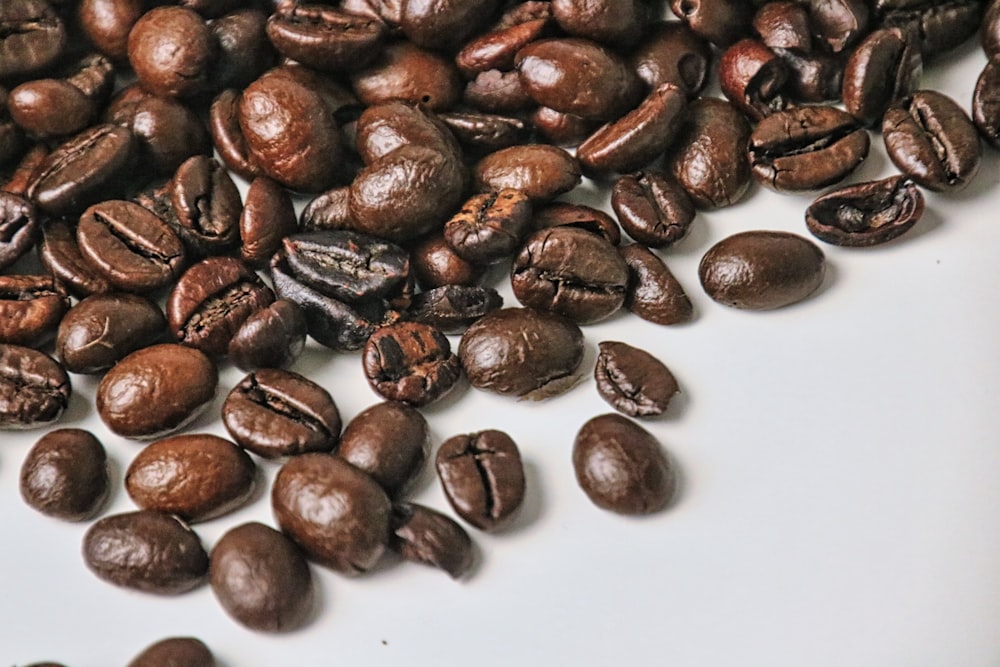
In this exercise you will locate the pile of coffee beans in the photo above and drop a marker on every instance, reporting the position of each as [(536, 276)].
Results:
[(432, 150)]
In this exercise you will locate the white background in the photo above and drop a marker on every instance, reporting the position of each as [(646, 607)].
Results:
[(840, 505)]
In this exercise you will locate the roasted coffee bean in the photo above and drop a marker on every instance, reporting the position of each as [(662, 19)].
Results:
[(227, 135), (30, 309), (444, 24), (708, 158), (572, 272), (564, 214), (542, 172), (268, 216), (497, 91), (761, 270), (327, 211), (721, 22), (484, 133), (58, 107), (839, 24), (633, 381), (87, 168), (883, 68), (32, 37), (156, 390), (812, 77), (866, 214), (940, 26), (65, 475), (107, 23), (196, 477), (752, 77), (453, 308), (146, 550), (261, 578), (562, 129), (383, 128), (607, 21), (807, 148), (175, 652), (489, 226), (347, 265), (102, 329), (60, 255), (784, 24), (931, 139), (989, 30), (986, 103), (389, 11), (274, 413), (410, 362), (206, 206), (212, 300), (622, 467), (633, 141), (672, 53), (404, 71), (389, 441), (652, 208), (245, 52), (172, 50), (336, 513), (578, 76), (497, 48), (483, 477), (325, 38), (653, 293), (436, 264), (211, 8), (34, 388), (522, 352), (273, 337), (423, 535)]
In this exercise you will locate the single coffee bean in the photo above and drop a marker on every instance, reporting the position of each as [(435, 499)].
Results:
[(444, 24), (423, 535), (497, 48), (390, 442), (564, 214), (175, 652), (405, 71), (19, 227), (261, 578), (245, 52), (481, 133), (329, 210), (939, 26), (106, 24), (572, 272), (866, 214), (205, 205), (325, 38), (721, 22), (806, 148), (156, 390), (146, 550), (540, 171), (483, 477), (489, 226), (761, 270), (652, 208), (382, 128), (32, 37), (622, 467), (171, 50), (986, 103), (196, 477), (633, 381), (812, 77), (562, 129), (227, 135), (453, 308), (496, 91), (607, 21), (410, 362), (30, 309), (275, 413), (672, 53), (436, 264), (102, 329), (336, 513), (784, 24), (60, 254), (268, 216), (522, 352), (273, 337), (653, 293), (34, 388), (62, 106), (753, 77), (883, 68), (839, 24), (931, 139), (65, 475)]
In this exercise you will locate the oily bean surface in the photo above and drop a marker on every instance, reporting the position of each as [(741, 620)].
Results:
[(65, 475), (390, 441), (34, 389), (410, 362), (102, 329), (866, 214)]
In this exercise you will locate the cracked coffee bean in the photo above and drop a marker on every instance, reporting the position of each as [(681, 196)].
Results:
[(205, 205), (34, 388), (633, 381), (31, 308), (102, 329), (490, 226), (410, 362), (423, 535), (866, 214), (652, 208)]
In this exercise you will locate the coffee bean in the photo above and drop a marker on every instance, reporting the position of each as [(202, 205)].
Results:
[(390, 442), (939, 26), (883, 68), (32, 37), (245, 52), (562, 129), (176, 652), (496, 91), (423, 535), (866, 214), (564, 214), (721, 22), (522, 352), (633, 381), (497, 48), (453, 308), (652, 208), (329, 210), (986, 103), (60, 254), (55, 107), (325, 38), (542, 172), (227, 135), (784, 24), (196, 477), (274, 413), (336, 513), (34, 388), (752, 77), (156, 390), (653, 293), (147, 551), (489, 226), (607, 21), (812, 77), (410, 362), (65, 475), (205, 205), (30, 309), (261, 578), (404, 71), (839, 24), (761, 270), (622, 467), (172, 50), (672, 53), (102, 329), (436, 264), (989, 31), (483, 477), (481, 133), (272, 337), (444, 24), (106, 24), (268, 216)]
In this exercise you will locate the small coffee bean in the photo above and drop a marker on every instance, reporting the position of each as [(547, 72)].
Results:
[(19, 227), (653, 293), (156, 390), (404, 71), (205, 205), (752, 77), (175, 652), (30, 309), (171, 50), (671, 52), (32, 37), (436, 264), (196, 477), (883, 68), (65, 475), (34, 388), (261, 578), (423, 535), (652, 208), (481, 133), (273, 337), (390, 442), (489, 226), (336, 513), (102, 329), (146, 550), (622, 467), (410, 362), (564, 214), (497, 48), (453, 308), (866, 214), (633, 381), (483, 477), (761, 270), (329, 210), (268, 216), (274, 413), (522, 352), (325, 38)]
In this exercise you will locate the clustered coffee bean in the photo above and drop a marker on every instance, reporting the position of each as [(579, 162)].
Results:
[(433, 141)]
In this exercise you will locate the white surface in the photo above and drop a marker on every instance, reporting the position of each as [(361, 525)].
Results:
[(841, 471)]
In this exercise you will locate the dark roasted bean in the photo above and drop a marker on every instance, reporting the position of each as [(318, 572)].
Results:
[(564, 214), (172, 50), (653, 293), (483, 477), (390, 442), (34, 388), (542, 172), (206, 206), (485, 133), (672, 53), (721, 22), (436, 264), (176, 652), (273, 337), (489, 226), (453, 308), (633, 381), (866, 214), (404, 71), (268, 217), (19, 228), (30, 309), (652, 208), (102, 329), (423, 535), (986, 103), (32, 37), (65, 475), (325, 38), (410, 362), (883, 68)]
